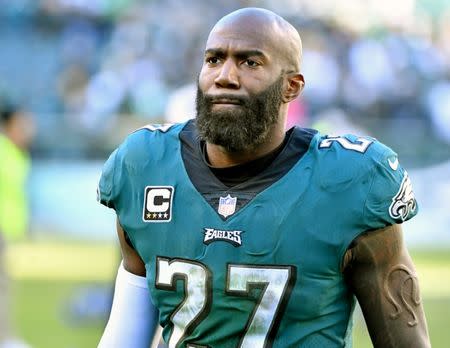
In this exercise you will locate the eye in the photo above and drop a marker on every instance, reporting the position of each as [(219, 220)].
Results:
[(212, 60), (251, 63)]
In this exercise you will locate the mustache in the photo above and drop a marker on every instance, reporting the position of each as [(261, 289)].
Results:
[(229, 98)]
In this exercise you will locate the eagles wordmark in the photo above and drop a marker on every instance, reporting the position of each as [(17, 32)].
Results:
[(232, 237)]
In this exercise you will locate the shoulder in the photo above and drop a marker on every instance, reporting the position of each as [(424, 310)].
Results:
[(151, 134), (347, 158), (367, 167), (148, 142), (367, 179), (139, 149), (351, 147)]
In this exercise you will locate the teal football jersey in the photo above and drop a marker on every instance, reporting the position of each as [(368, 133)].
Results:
[(257, 264)]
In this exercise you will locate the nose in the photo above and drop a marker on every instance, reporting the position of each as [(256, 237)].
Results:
[(228, 76)]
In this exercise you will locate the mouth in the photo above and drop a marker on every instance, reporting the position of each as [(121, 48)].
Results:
[(226, 101)]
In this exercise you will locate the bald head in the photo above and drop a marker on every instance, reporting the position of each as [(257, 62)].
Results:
[(276, 33), (250, 74)]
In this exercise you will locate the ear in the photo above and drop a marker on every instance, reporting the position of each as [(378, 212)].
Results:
[(295, 83)]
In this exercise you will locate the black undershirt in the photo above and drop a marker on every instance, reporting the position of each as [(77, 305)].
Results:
[(234, 175)]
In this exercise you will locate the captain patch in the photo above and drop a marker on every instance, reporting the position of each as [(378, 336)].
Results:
[(158, 204)]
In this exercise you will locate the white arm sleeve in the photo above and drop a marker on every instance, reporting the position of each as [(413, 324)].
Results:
[(133, 318)]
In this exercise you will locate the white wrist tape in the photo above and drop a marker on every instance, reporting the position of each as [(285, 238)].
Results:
[(133, 318)]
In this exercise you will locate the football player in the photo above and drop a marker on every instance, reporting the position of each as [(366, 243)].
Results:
[(237, 233)]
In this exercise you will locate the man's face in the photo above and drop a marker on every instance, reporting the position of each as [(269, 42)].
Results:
[(245, 124), (239, 88)]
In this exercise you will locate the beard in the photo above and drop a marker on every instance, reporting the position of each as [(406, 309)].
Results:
[(245, 126)]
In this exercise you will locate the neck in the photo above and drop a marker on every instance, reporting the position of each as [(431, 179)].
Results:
[(219, 157)]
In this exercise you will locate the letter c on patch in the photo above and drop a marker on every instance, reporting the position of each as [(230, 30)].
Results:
[(158, 200)]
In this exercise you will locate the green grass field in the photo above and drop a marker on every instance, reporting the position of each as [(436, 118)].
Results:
[(46, 275)]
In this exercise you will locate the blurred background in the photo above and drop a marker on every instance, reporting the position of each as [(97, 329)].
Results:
[(91, 71)]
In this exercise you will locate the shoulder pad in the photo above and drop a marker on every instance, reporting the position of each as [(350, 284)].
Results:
[(343, 160)]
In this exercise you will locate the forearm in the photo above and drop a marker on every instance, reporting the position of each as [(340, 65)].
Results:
[(133, 318), (383, 278)]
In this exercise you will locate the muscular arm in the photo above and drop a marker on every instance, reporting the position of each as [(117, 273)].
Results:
[(382, 276)]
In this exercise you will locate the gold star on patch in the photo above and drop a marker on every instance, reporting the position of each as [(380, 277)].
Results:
[(149, 216)]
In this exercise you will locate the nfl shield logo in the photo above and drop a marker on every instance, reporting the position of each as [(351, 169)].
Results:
[(227, 206)]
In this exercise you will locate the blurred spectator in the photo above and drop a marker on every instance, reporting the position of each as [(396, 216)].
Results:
[(16, 133), (438, 102), (181, 104), (335, 121), (322, 74)]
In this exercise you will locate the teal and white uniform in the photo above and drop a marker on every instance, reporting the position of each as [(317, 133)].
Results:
[(257, 264)]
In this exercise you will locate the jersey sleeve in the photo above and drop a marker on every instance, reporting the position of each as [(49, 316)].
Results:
[(107, 191), (390, 199), (130, 157)]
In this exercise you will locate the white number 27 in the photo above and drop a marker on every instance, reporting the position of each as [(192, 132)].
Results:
[(276, 283)]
